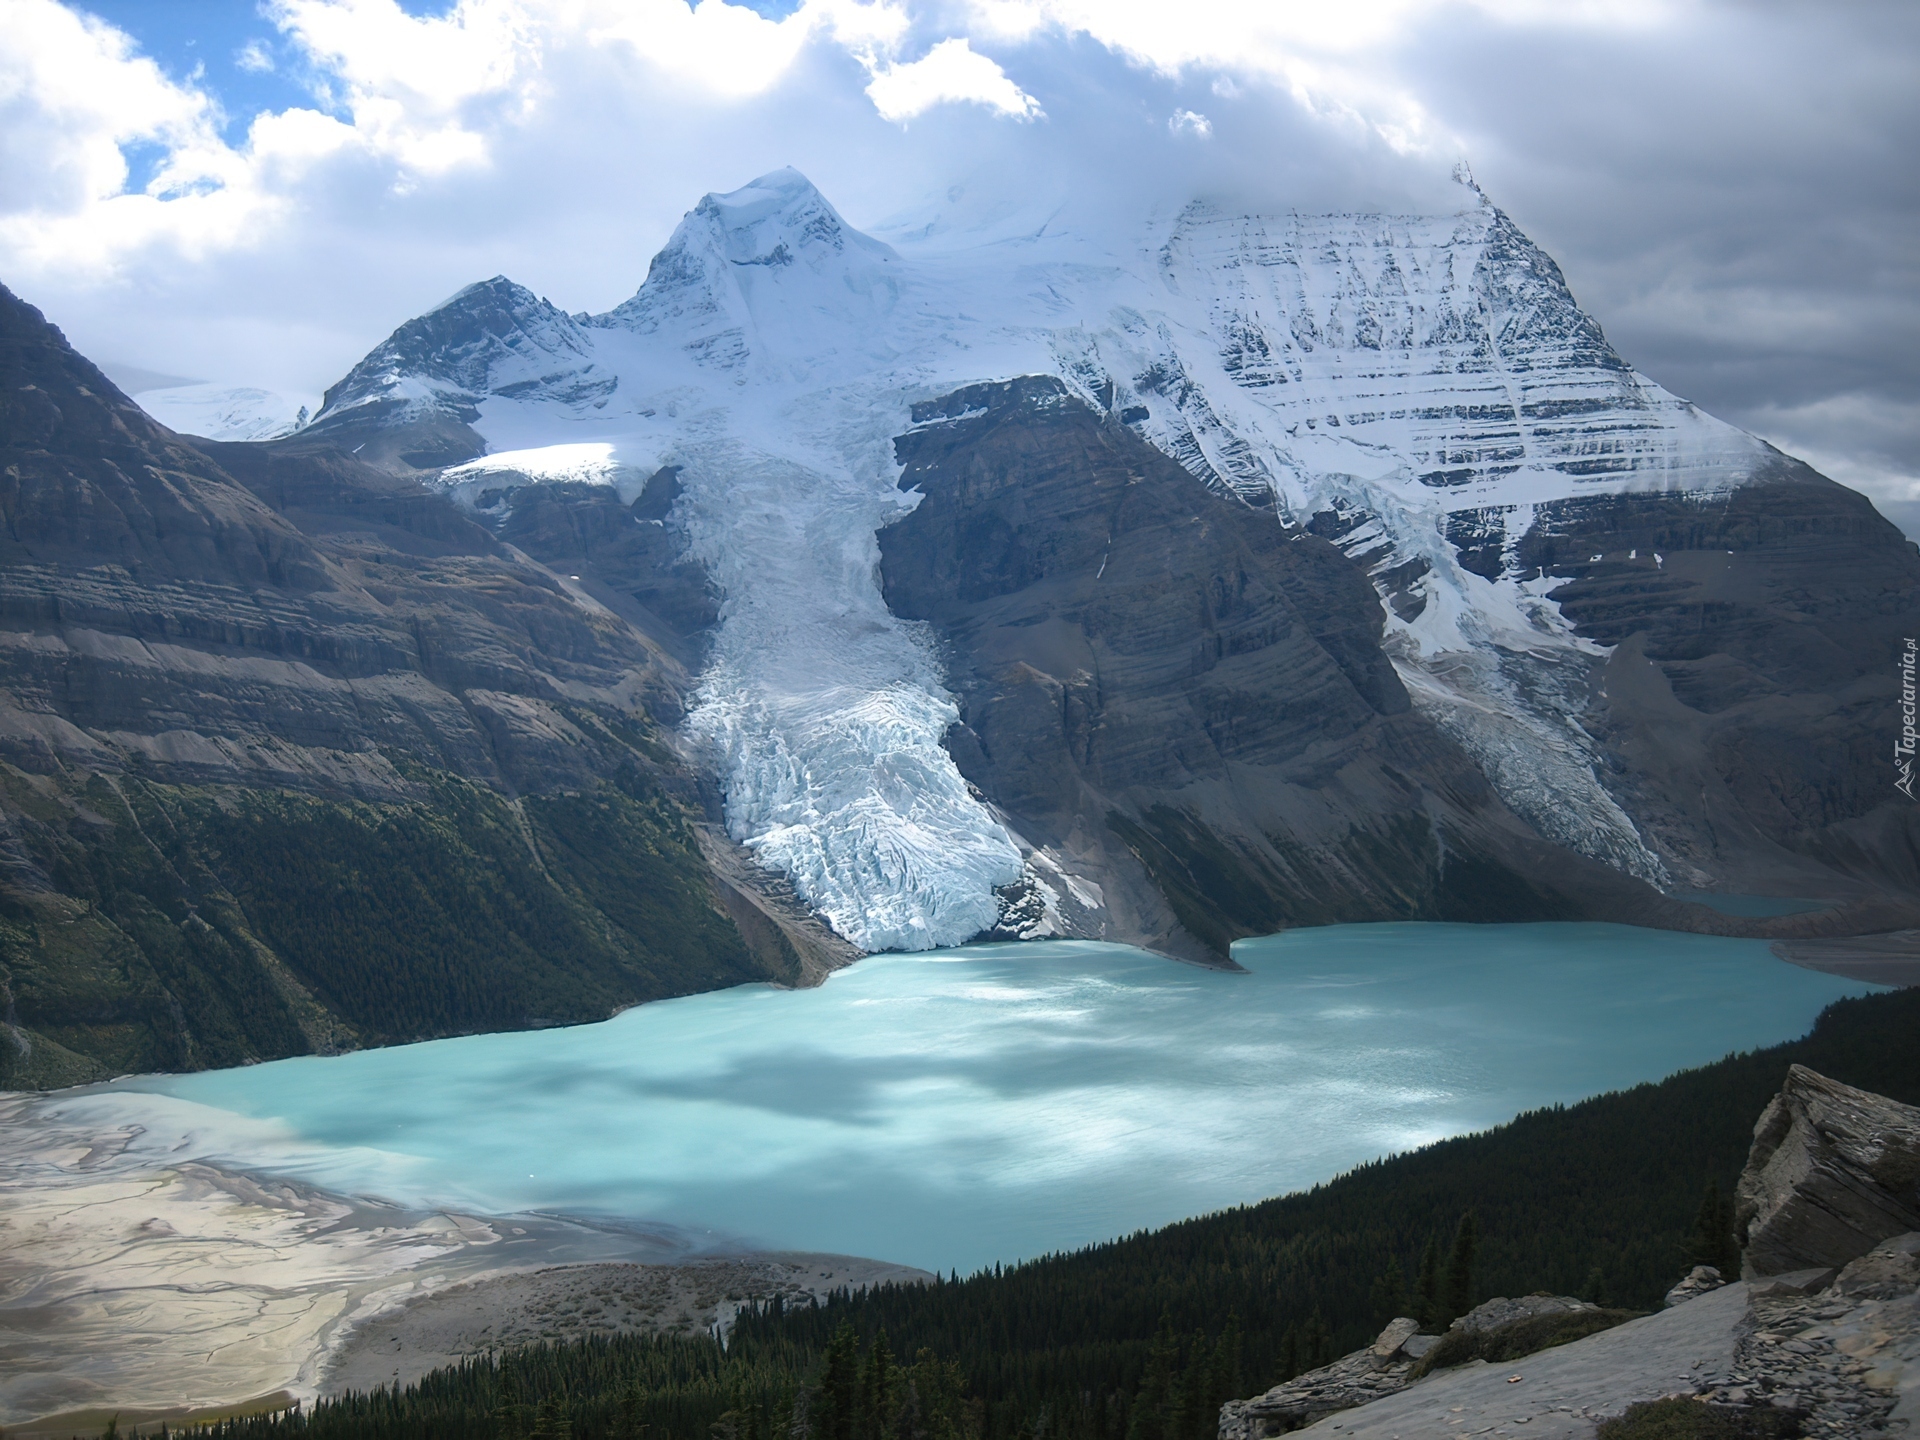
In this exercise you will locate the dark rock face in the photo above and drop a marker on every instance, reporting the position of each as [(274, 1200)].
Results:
[(495, 337), (1182, 699), (295, 756), (87, 478), (1750, 707), (634, 553), (1834, 1171)]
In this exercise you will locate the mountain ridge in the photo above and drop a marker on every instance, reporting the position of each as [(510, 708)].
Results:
[(846, 655), (1421, 391)]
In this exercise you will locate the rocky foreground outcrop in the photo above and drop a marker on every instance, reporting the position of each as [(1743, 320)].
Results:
[(1833, 1172), (1386, 1367), (1825, 1327)]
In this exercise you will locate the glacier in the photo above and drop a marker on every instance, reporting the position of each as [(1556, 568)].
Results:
[(1414, 388)]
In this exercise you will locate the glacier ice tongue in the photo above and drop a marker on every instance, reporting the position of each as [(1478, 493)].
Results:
[(591, 462), (825, 713)]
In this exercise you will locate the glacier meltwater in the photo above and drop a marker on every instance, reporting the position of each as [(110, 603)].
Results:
[(959, 1107)]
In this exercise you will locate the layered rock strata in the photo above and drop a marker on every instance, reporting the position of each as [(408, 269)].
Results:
[(294, 756), (1663, 645), (1833, 1172), (1846, 1357)]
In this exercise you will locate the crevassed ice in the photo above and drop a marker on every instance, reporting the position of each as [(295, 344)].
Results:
[(825, 712)]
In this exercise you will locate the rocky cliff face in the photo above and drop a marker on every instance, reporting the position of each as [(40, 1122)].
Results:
[(1753, 642), (294, 755), (1183, 703), (1833, 1172)]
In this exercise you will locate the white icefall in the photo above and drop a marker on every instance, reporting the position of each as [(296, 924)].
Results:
[(1403, 370), (824, 711)]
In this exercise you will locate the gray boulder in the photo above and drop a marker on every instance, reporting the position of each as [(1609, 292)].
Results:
[(1382, 1369), (1492, 1314), (1791, 1284), (1387, 1347), (1832, 1173), (1886, 1272), (1699, 1281)]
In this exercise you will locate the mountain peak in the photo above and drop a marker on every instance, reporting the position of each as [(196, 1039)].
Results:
[(774, 221), (768, 274), (491, 333)]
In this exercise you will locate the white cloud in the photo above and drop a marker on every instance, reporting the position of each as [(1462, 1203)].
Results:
[(951, 71), (412, 84), (74, 99), (731, 50), (254, 58), (1860, 440), (1737, 229)]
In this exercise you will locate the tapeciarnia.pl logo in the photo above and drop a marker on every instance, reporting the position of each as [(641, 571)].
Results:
[(1904, 747)]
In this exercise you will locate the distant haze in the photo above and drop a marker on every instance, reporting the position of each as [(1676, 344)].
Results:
[(256, 194)]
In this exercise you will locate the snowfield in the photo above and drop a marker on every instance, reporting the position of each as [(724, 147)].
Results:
[(223, 412)]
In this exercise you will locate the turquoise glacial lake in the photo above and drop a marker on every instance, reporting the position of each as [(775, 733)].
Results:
[(955, 1108)]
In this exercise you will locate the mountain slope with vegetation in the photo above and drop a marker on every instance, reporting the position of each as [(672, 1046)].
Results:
[(294, 757)]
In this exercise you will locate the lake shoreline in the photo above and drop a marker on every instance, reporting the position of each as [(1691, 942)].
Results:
[(184, 1290), (209, 1240)]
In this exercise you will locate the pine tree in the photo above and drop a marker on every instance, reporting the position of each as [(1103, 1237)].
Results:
[(1216, 1379), (1712, 1242), (835, 1397), (1426, 1294), (1188, 1408), (509, 1416), (552, 1420), (1223, 1377), (1457, 1299), (1317, 1345), (627, 1424), (1390, 1292), (1290, 1353), (1594, 1291), (876, 1400), (1155, 1396)]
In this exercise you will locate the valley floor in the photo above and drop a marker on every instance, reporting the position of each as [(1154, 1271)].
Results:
[(1889, 959), (498, 1312), (152, 1291)]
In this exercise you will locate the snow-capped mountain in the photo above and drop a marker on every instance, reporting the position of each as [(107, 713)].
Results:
[(1423, 391)]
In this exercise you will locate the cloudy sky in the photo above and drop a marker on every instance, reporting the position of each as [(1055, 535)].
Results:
[(257, 191)]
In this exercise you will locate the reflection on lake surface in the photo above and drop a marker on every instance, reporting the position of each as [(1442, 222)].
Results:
[(953, 1108)]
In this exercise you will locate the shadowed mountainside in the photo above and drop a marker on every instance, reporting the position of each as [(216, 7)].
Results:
[(1181, 697), (294, 756)]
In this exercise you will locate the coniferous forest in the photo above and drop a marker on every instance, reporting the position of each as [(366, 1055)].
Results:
[(1142, 1338)]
